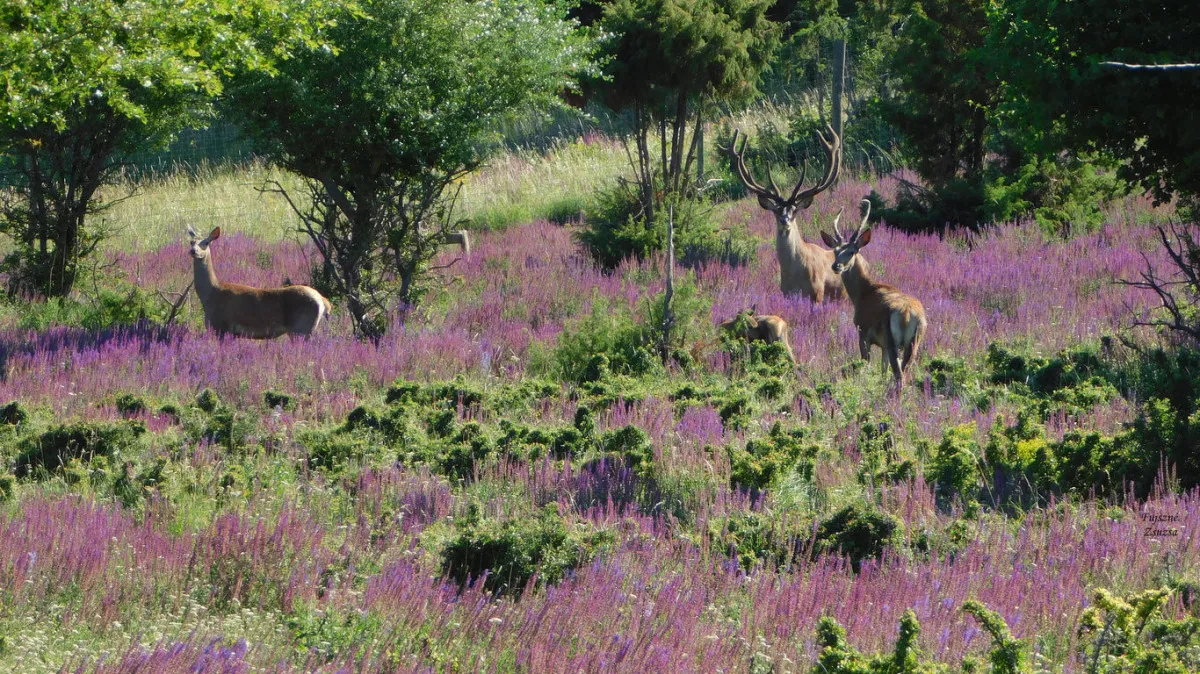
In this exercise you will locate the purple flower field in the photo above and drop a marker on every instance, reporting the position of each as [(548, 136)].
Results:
[(259, 562)]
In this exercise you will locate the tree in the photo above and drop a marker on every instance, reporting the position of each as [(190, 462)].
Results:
[(1060, 90), (87, 79), (383, 129), (668, 59), (946, 93)]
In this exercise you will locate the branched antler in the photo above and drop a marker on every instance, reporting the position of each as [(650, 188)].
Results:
[(832, 146)]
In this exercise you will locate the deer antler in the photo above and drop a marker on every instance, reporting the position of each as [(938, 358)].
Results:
[(837, 230), (739, 164), (833, 148), (866, 216)]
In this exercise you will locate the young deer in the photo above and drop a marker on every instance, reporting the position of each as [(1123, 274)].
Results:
[(884, 316), (260, 313), (804, 268), (761, 328)]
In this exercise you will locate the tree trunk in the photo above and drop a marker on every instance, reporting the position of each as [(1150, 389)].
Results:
[(668, 318)]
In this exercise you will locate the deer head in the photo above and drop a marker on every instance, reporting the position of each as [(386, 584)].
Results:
[(770, 198), (200, 246), (844, 249)]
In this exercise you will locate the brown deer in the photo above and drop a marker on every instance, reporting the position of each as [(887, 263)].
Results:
[(460, 237), (259, 313), (884, 316), (804, 268), (760, 328)]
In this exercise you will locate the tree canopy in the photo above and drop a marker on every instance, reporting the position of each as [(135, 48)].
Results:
[(409, 103)]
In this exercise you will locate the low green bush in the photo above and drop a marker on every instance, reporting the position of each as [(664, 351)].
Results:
[(512, 552), (858, 532), (53, 449)]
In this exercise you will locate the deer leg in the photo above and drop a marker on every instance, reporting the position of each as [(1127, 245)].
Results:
[(864, 346), (893, 359)]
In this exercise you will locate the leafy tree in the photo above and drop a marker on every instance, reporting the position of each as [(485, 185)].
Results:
[(382, 129), (1051, 57), (943, 104), (87, 79), (668, 61)]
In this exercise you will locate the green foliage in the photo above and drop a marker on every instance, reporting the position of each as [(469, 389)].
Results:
[(53, 449), (407, 105), (273, 399), (837, 656), (945, 96), (1065, 194), (858, 532), (668, 61), (955, 465), (605, 341), (631, 443), (764, 461), (8, 487), (1008, 654), (512, 552), (87, 80), (1049, 55), (208, 400), (618, 228), (128, 403), (13, 414), (325, 634)]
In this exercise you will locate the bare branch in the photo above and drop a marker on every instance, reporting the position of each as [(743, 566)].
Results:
[(1158, 66)]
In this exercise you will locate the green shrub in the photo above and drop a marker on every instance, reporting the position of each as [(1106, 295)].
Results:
[(53, 449), (208, 400), (616, 230), (130, 404), (13, 414), (1008, 654), (606, 341), (631, 443), (513, 551), (955, 465), (765, 461), (1065, 194), (273, 399), (751, 538), (858, 532), (334, 451), (403, 391)]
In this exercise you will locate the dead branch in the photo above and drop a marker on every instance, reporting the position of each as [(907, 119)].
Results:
[(176, 304)]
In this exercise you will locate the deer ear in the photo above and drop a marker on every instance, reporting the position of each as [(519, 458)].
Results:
[(216, 234), (864, 238), (192, 233), (829, 240), (766, 202)]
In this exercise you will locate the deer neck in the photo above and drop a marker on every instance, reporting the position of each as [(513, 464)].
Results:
[(857, 278), (205, 278), (788, 241)]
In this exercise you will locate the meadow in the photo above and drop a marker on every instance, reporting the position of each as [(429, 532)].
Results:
[(465, 495)]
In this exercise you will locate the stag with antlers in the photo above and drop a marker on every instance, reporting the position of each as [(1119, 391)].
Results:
[(260, 313), (883, 315), (804, 268)]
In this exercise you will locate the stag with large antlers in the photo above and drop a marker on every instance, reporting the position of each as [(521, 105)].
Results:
[(260, 313), (883, 315), (804, 268)]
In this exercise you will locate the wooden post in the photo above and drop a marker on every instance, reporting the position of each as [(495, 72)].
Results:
[(839, 84), (668, 319)]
